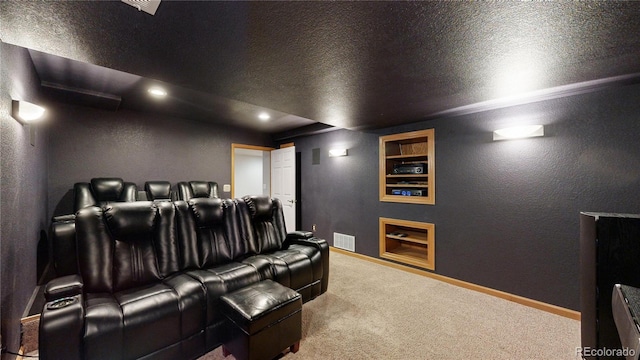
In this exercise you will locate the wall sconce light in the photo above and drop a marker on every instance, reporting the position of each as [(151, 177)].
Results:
[(26, 112), (337, 152), (157, 92), (518, 132)]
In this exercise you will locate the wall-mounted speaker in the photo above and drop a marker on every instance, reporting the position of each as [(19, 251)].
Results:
[(315, 156)]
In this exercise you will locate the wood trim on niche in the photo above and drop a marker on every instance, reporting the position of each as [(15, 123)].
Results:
[(429, 134)]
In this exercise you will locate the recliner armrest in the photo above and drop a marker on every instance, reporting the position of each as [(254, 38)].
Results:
[(62, 320), (63, 241), (62, 329), (321, 245), (129, 192), (63, 287), (61, 218), (300, 235), (304, 238)]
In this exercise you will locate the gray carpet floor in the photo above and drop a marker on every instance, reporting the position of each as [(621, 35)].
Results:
[(372, 311)]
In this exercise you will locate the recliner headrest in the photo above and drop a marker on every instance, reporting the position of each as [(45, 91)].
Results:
[(157, 190), (200, 189), (130, 218), (206, 211), (259, 206), (107, 189)]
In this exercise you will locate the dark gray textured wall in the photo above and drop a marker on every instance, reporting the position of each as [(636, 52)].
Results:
[(506, 213), (23, 196), (87, 143)]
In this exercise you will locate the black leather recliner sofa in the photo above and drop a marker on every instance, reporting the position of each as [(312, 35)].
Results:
[(151, 275)]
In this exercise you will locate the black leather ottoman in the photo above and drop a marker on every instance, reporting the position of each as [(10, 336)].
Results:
[(264, 319)]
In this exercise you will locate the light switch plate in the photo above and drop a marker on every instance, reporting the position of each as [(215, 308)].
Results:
[(226, 188)]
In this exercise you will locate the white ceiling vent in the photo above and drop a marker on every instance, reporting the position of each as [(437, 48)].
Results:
[(148, 6)]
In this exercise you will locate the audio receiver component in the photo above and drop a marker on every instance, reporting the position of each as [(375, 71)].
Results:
[(416, 168), (409, 192)]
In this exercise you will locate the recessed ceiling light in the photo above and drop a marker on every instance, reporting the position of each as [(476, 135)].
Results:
[(264, 116), (157, 92)]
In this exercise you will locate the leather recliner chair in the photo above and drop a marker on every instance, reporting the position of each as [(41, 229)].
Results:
[(124, 252), (97, 192), (296, 259), (188, 190), (210, 239), (102, 191), (158, 191)]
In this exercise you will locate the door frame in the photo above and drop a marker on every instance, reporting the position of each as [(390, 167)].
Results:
[(235, 146)]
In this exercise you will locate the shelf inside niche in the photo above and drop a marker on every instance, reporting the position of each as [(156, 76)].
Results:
[(408, 242), (417, 155), (407, 149)]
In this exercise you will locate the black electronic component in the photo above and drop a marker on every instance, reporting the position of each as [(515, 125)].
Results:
[(409, 192), (414, 168)]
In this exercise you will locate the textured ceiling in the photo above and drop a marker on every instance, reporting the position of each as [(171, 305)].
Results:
[(80, 83), (348, 64)]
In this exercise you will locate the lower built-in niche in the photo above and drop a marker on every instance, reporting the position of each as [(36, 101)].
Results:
[(408, 242)]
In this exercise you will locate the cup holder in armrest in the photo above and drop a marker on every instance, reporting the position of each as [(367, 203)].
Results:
[(61, 303)]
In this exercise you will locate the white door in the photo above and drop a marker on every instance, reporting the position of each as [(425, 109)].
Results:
[(283, 183)]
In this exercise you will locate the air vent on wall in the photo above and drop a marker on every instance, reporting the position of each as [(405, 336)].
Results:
[(148, 6), (345, 242)]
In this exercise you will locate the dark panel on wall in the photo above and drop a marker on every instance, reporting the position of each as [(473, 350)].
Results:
[(506, 213), (315, 156), (137, 147), (24, 192)]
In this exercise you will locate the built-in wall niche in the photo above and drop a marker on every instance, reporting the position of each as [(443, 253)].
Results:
[(407, 167), (408, 242)]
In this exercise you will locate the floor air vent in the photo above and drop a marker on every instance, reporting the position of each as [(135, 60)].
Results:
[(346, 242)]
